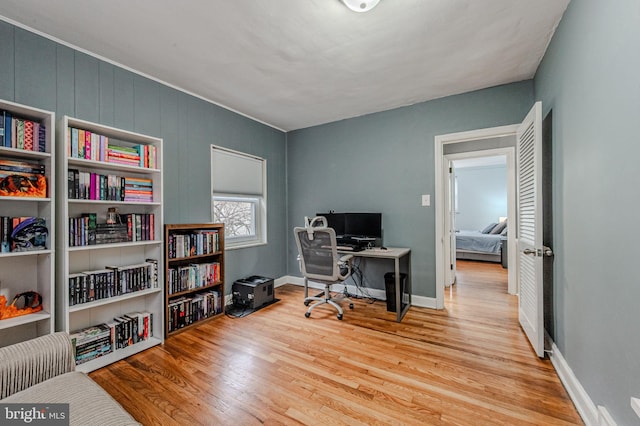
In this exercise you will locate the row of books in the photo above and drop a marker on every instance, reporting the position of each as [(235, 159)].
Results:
[(93, 146), (95, 186), (138, 189), (99, 340), (21, 133), (192, 276), (23, 233), (112, 281), (197, 243), (85, 231), (26, 168), (188, 310)]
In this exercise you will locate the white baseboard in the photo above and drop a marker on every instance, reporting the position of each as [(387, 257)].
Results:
[(288, 279), (423, 302), (604, 418), (591, 415), (419, 301)]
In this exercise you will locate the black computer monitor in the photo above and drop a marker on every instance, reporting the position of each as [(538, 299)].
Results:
[(335, 221), (368, 225)]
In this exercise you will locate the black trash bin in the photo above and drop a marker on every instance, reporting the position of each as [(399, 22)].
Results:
[(390, 285)]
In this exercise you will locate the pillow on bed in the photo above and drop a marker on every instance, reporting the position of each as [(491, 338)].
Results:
[(488, 228), (499, 228), (504, 232)]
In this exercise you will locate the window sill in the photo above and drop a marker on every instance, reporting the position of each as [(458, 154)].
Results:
[(248, 244)]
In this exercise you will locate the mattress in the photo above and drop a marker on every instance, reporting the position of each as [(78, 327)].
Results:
[(478, 242)]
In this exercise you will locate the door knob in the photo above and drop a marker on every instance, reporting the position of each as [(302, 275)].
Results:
[(547, 251), (529, 251)]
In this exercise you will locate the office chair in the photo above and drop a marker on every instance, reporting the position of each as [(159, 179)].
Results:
[(319, 261)]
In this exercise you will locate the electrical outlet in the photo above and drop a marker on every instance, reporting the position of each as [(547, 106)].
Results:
[(426, 200)]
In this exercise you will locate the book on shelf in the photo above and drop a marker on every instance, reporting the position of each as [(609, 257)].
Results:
[(7, 129), (197, 243), (192, 276), (95, 186), (22, 133), (89, 286), (132, 278), (184, 311), (89, 145), (122, 331), (132, 227), (91, 342)]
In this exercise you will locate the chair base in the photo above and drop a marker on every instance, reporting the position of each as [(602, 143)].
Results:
[(327, 299)]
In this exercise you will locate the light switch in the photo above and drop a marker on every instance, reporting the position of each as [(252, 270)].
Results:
[(426, 199)]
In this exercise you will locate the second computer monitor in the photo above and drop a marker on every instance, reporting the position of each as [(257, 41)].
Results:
[(368, 225)]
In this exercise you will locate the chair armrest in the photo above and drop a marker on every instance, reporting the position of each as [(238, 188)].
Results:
[(346, 258), (28, 363)]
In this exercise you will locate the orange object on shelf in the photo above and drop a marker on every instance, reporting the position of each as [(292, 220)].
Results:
[(12, 311), (20, 186)]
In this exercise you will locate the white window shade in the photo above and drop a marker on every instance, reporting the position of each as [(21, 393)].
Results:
[(236, 173)]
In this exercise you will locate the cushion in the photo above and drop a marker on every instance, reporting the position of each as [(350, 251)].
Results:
[(89, 404), (499, 228), (504, 232), (488, 228)]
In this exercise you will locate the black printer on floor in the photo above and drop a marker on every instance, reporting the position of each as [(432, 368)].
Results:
[(252, 292)]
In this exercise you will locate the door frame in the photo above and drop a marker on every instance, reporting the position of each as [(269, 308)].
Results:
[(442, 198)]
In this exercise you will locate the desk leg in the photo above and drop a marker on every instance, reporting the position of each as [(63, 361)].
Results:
[(398, 290), (407, 288)]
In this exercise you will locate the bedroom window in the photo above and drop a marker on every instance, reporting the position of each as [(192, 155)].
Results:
[(238, 196)]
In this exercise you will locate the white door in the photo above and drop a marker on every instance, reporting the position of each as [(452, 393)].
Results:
[(452, 222), (529, 242)]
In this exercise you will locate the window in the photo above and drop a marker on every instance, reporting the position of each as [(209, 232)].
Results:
[(238, 200)]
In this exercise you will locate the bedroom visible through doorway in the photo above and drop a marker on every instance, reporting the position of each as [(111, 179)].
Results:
[(479, 244), (492, 142)]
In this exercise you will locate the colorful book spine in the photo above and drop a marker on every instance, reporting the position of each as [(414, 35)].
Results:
[(7, 129), (19, 134), (28, 135)]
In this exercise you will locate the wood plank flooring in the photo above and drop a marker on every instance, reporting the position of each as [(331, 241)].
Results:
[(469, 364)]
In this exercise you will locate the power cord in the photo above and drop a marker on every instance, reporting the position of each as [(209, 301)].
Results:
[(358, 279)]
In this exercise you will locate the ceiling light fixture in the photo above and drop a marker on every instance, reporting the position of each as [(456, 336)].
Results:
[(361, 5)]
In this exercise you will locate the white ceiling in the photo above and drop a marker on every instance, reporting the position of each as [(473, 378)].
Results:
[(298, 63)]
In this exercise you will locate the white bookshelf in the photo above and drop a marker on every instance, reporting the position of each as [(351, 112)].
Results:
[(74, 259), (30, 270)]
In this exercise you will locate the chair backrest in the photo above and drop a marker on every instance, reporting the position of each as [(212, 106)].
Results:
[(317, 252)]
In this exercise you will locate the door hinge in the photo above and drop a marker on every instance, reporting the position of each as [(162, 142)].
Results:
[(450, 169), (451, 265)]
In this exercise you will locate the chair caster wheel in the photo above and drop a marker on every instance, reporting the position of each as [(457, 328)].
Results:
[(340, 316), (307, 314), (350, 305), (306, 302)]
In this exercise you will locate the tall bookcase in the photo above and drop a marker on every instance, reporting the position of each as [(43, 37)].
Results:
[(194, 274), (110, 218), (23, 269)]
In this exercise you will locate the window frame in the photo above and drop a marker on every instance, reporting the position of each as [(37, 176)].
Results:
[(258, 200)]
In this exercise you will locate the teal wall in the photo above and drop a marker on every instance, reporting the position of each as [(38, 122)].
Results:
[(383, 162), (41, 73), (482, 196), (589, 78)]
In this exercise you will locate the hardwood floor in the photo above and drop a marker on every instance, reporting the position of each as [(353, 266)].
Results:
[(469, 364)]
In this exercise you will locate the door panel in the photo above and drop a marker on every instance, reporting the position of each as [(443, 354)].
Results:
[(529, 242)]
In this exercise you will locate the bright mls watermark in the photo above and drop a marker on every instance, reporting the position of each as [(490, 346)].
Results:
[(34, 414)]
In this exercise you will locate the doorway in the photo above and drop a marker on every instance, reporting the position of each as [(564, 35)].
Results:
[(478, 143)]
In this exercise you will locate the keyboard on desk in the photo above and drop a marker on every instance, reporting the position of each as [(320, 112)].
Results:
[(349, 247)]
